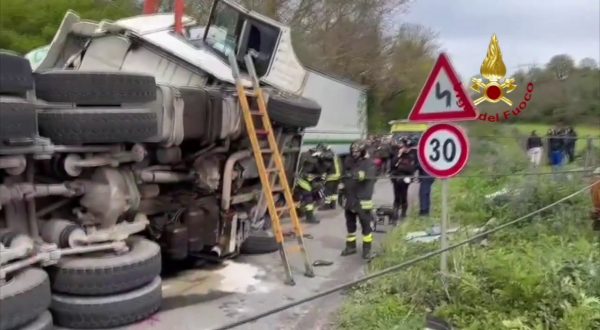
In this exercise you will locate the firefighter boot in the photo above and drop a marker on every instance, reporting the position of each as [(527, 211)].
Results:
[(311, 218), (333, 203), (328, 205), (366, 251), (350, 248)]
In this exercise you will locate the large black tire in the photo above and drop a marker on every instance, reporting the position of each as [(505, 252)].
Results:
[(42, 322), (259, 242), (107, 311), (23, 297), (94, 88), (17, 119), (98, 125), (15, 74), (293, 111), (107, 273)]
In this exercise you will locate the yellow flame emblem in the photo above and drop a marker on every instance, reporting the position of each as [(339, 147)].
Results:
[(493, 70)]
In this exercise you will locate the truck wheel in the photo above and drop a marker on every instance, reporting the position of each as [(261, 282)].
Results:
[(94, 88), (17, 119), (107, 311), (23, 297), (259, 242), (98, 125), (293, 111), (42, 322), (16, 74), (107, 273)]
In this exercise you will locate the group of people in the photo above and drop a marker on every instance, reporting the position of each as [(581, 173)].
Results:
[(561, 146), (321, 173)]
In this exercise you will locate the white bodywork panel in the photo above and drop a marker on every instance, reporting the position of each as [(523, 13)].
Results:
[(204, 59), (144, 24), (285, 73), (343, 111), (165, 71)]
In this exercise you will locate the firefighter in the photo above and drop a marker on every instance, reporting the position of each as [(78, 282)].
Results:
[(306, 188), (359, 182), (332, 172)]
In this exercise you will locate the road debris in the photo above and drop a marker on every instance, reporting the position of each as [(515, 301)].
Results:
[(321, 263)]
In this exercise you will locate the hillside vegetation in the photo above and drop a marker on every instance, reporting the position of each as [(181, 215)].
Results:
[(361, 40), (569, 99)]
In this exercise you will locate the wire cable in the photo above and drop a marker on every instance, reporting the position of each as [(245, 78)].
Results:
[(514, 137), (399, 266), (484, 175)]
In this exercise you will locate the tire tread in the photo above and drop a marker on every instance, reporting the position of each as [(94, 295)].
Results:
[(81, 276), (27, 297)]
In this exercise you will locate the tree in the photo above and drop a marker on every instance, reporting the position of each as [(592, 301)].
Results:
[(588, 63), (25, 25), (561, 65), (361, 40), (519, 76)]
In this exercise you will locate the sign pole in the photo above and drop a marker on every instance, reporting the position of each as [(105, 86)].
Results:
[(444, 228), (443, 149)]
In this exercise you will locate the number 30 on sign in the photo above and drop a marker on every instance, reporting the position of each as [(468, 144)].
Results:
[(443, 151)]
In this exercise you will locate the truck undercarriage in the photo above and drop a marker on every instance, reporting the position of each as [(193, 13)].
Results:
[(117, 152)]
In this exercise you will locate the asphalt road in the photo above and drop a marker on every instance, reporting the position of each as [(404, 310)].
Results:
[(213, 296)]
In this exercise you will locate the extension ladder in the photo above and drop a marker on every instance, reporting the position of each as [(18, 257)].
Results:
[(273, 179)]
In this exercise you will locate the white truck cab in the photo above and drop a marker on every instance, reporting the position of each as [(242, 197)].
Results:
[(231, 28)]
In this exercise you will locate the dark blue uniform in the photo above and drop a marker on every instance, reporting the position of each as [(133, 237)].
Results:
[(359, 183)]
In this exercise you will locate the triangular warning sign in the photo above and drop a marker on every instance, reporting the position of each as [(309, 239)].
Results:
[(443, 98)]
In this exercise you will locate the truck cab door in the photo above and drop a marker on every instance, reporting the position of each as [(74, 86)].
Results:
[(260, 38)]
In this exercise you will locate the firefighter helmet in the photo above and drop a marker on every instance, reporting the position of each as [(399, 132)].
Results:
[(358, 149)]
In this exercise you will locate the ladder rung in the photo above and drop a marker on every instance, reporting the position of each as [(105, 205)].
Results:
[(262, 132), (282, 209), (256, 113), (294, 249), (272, 170), (284, 151), (277, 189)]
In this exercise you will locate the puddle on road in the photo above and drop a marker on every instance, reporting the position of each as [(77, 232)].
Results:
[(232, 277)]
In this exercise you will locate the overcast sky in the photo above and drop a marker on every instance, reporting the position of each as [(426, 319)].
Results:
[(529, 31)]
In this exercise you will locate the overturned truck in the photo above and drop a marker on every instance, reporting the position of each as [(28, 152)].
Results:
[(125, 145)]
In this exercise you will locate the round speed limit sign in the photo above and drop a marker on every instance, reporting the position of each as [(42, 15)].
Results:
[(443, 151)]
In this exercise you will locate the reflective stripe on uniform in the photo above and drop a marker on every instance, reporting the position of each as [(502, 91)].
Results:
[(333, 197), (338, 172), (310, 177), (368, 238), (351, 238), (367, 205), (309, 207), (304, 184), (361, 175)]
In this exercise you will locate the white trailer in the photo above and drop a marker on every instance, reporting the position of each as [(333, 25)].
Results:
[(343, 111)]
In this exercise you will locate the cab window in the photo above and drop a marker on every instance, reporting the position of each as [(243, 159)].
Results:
[(224, 31)]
